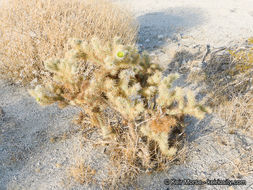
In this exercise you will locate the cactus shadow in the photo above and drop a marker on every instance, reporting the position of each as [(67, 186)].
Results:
[(198, 128), (157, 27)]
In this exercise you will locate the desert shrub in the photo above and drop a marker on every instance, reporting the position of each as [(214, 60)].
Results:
[(228, 85), (229, 72), (238, 113), (135, 107), (243, 58), (32, 30)]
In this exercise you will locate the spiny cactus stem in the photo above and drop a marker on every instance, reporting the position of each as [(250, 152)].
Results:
[(113, 109)]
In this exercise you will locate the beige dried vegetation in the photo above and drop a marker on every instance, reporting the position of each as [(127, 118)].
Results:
[(229, 76), (228, 73), (33, 30), (82, 173), (238, 113)]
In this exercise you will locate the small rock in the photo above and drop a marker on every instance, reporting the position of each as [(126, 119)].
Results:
[(37, 170), (177, 37), (147, 40), (184, 62), (224, 67), (32, 34), (233, 10), (169, 40), (57, 165), (160, 37), (1, 113), (152, 54)]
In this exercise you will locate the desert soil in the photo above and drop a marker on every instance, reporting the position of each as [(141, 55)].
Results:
[(30, 159)]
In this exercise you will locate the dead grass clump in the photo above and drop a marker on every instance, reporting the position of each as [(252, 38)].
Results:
[(229, 72), (238, 113), (33, 30), (82, 173), (229, 87), (243, 166), (131, 154), (243, 57)]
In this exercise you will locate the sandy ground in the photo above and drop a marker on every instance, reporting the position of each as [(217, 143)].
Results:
[(30, 160), (199, 21)]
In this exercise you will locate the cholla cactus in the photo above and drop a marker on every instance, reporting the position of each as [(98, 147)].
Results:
[(97, 76)]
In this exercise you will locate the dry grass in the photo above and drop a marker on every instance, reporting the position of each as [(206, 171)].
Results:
[(82, 173), (229, 89), (238, 113), (34, 30), (130, 154), (229, 86), (227, 77), (228, 74)]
